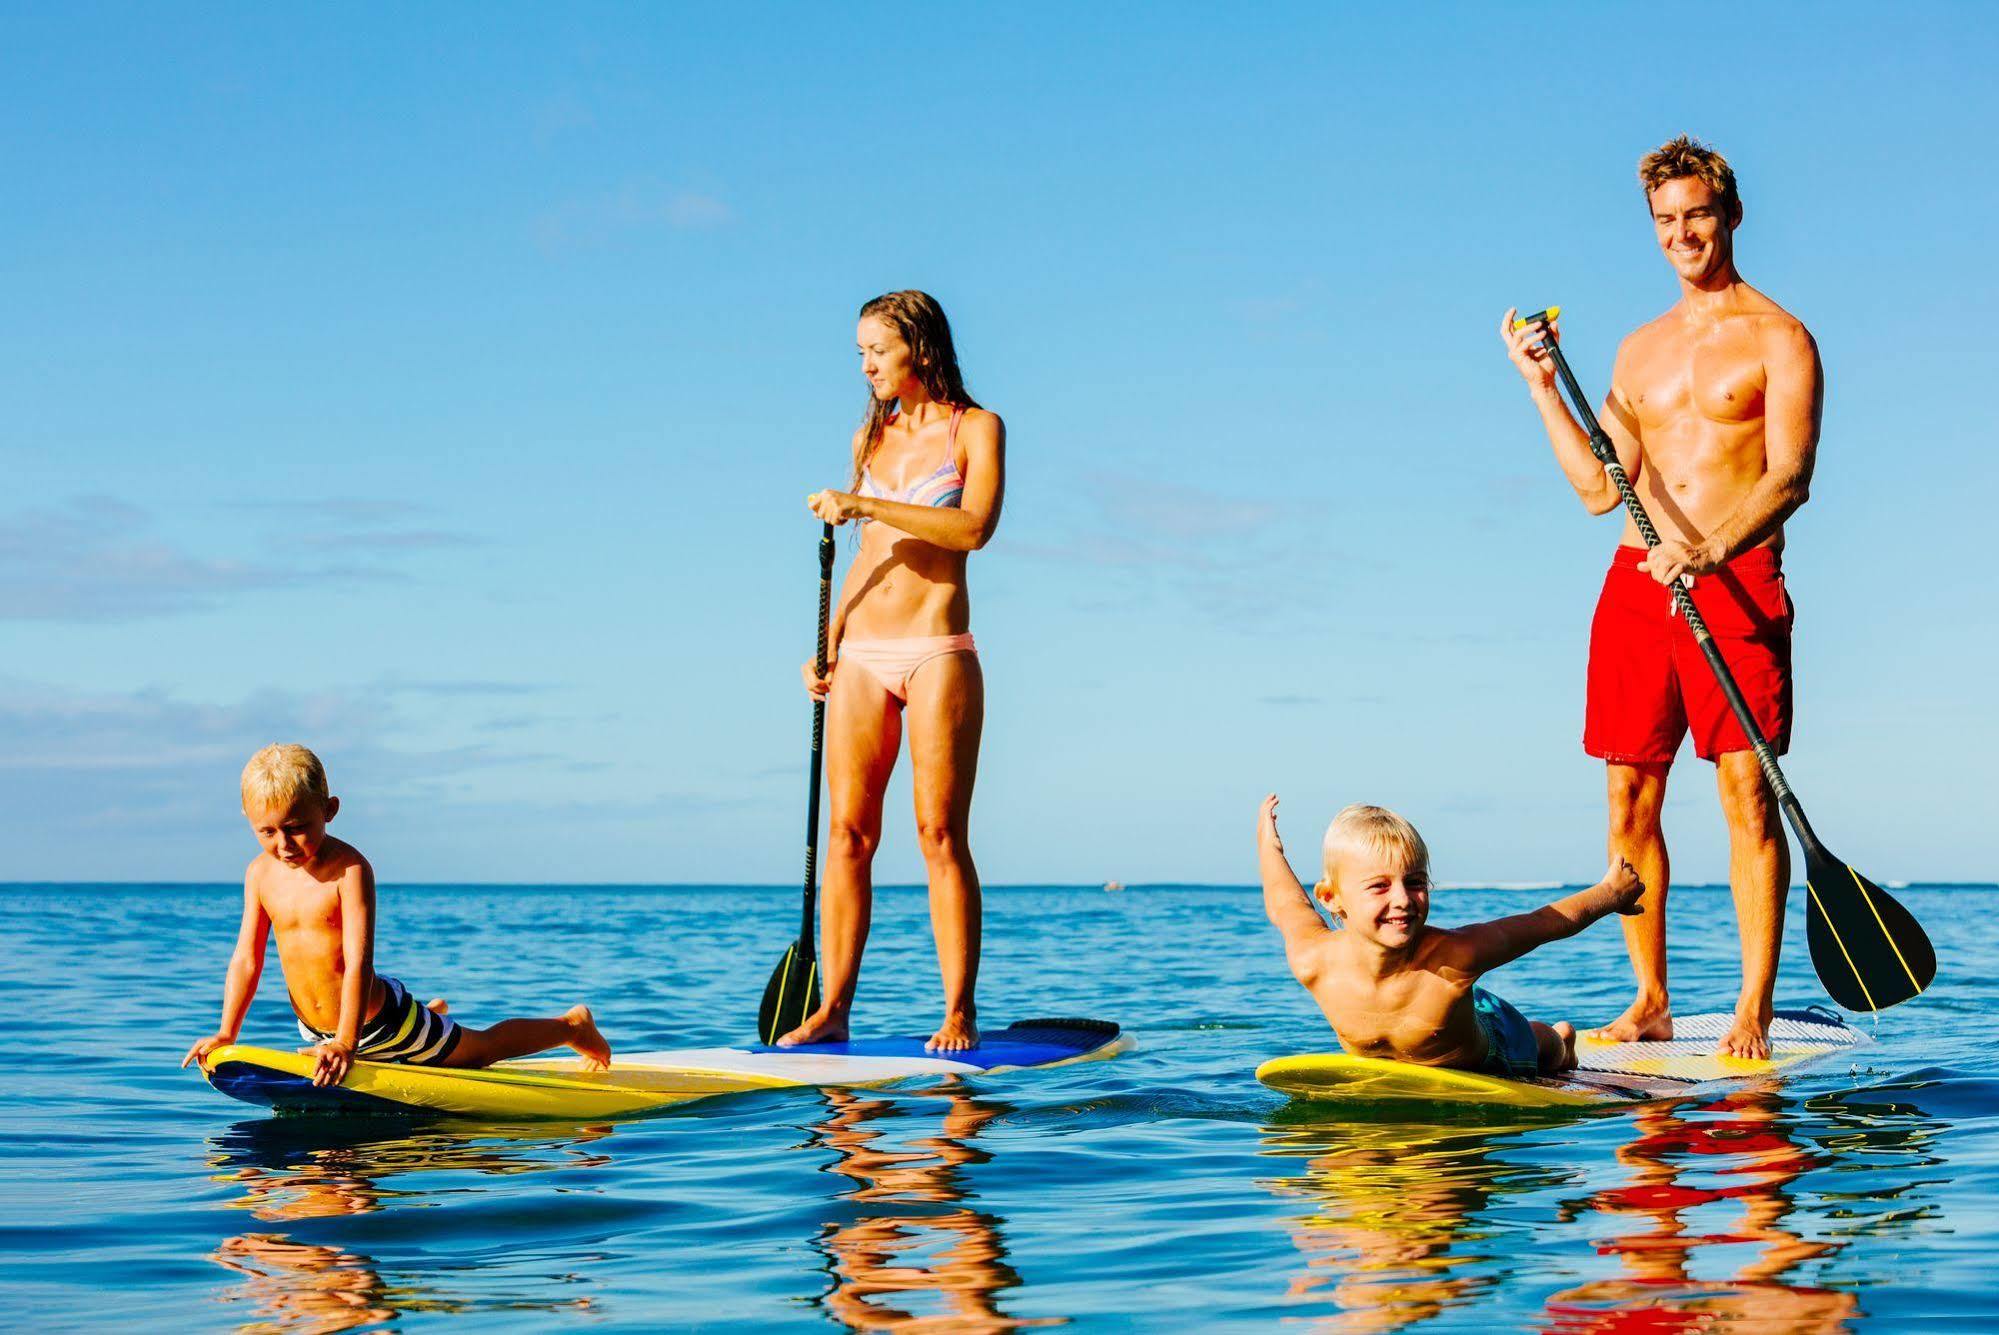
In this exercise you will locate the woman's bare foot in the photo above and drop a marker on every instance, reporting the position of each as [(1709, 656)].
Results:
[(1748, 1037), (958, 1032), (591, 1046), (1567, 1033), (438, 1004), (822, 1026), (1647, 1020)]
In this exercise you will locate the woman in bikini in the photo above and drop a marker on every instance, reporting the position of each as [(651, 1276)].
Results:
[(928, 473)]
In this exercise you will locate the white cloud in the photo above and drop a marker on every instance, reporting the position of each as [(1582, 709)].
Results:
[(143, 785), (632, 207), (98, 559)]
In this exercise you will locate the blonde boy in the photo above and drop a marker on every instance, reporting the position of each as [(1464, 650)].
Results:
[(1392, 985), (318, 895)]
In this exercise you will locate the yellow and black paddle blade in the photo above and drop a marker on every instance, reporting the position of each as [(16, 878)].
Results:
[(790, 996), (1869, 951)]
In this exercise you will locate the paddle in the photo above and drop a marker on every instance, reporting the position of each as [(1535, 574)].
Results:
[(1869, 951), (793, 990)]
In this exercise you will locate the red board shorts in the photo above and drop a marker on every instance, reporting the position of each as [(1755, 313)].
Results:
[(1649, 683)]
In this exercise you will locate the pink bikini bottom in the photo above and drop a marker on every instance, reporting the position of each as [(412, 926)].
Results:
[(892, 661)]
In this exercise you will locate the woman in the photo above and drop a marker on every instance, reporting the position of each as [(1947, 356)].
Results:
[(928, 473)]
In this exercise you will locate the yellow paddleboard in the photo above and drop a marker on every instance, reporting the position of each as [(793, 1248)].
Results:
[(1606, 1073), (642, 1082)]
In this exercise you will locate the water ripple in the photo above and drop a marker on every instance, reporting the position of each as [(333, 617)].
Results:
[(1167, 1189)]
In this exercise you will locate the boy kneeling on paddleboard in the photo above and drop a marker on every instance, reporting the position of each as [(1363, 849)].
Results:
[(318, 894), (1395, 987)]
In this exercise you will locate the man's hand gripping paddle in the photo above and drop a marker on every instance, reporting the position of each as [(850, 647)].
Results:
[(1869, 951), (793, 990)]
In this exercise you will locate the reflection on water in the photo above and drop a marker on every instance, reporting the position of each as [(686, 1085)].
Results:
[(903, 1246), (299, 1170), (1703, 1212), (907, 1252), (1392, 1237), (315, 1167), (1127, 1193), (1710, 1182), (300, 1286)]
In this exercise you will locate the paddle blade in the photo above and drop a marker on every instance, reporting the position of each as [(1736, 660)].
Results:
[(790, 996), (1869, 951)]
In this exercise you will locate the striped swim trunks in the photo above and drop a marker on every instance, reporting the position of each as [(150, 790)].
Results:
[(402, 1031)]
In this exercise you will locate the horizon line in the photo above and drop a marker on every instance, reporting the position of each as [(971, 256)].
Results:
[(1106, 887)]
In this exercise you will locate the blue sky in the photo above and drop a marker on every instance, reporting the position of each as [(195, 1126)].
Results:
[(440, 388)]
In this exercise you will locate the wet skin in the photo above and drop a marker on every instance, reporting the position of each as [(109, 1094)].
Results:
[(1391, 985), (1714, 412), (907, 580)]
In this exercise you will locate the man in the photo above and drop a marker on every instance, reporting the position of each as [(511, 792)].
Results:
[(1714, 412)]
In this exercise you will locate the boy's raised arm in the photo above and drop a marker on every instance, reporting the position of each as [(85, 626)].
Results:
[(1284, 899), (246, 966), (1504, 940)]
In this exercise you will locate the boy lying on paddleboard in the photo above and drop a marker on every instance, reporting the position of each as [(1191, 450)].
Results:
[(1395, 987), (318, 894)]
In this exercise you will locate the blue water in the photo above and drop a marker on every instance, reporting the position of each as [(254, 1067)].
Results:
[(1165, 1190)]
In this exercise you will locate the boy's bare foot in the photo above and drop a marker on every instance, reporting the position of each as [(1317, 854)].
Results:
[(438, 1004), (956, 1034), (1645, 1021), (1567, 1033), (590, 1045), (822, 1026), (1748, 1037)]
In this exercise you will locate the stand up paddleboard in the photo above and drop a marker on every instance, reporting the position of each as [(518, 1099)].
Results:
[(1606, 1073), (642, 1082)]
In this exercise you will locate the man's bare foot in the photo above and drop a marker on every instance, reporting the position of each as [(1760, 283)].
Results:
[(1567, 1033), (822, 1026), (1644, 1021), (1748, 1037), (438, 1004), (590, 1045), (958, 1032)]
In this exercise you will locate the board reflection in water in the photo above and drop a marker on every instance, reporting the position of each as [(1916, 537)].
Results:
[(299, 1171), (1700, 1218)]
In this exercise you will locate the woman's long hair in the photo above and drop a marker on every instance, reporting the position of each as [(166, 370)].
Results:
[(920, 320)]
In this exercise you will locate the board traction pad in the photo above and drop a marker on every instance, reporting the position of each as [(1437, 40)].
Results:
[(1795, 1036)]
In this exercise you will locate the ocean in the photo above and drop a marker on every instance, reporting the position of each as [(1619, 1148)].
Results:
[(1164, 1190)]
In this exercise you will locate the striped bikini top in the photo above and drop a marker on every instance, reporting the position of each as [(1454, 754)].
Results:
[(944, 489)]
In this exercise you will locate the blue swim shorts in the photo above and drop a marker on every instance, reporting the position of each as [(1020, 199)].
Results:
[(1510, 1048)]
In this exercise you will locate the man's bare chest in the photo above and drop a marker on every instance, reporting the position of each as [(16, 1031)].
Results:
[(1688, 385)]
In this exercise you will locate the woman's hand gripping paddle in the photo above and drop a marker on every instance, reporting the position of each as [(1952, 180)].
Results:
[(793, 990), (1869, 951)]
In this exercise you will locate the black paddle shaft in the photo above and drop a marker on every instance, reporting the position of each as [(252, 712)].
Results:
[(806, 936), (1606, 453)]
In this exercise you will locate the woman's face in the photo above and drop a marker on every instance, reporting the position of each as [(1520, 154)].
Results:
[(885, 358)]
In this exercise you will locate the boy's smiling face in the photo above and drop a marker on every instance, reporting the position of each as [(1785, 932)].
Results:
[(1379, 895), (293, 831)]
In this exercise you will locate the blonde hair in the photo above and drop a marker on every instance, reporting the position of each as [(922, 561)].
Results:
[(279, 775), (1375, 830), (1688, 156)]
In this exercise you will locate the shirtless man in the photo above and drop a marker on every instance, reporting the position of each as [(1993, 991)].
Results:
[(1714, 410)]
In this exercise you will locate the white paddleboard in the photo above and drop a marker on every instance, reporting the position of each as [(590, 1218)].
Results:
[(641, 1082)]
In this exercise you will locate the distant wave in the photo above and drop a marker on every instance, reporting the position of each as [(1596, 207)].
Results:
[(1502, 885)]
